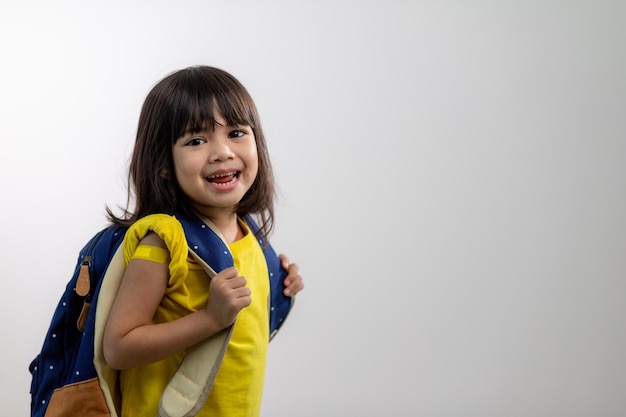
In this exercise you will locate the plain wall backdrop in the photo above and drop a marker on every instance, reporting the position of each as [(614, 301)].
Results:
[(452, 178)]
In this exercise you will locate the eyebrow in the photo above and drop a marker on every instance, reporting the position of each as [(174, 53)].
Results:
[(190, 131)]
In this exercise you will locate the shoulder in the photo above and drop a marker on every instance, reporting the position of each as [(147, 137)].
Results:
[(158, 230), (161, 224), (152, 239)]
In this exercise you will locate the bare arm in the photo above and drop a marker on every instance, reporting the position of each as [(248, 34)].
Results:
[(132, 339)]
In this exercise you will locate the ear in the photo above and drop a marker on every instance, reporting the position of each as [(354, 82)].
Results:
[(165, 174)]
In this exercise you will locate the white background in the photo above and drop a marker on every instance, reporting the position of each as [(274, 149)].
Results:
[(452, 177)]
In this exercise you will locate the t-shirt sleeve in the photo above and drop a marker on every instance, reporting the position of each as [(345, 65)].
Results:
[(171, 231)]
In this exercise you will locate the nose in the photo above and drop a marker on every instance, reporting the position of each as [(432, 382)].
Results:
[(220, 149)]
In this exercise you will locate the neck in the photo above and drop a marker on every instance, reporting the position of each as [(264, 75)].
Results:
[(228, 226), (231, 232)]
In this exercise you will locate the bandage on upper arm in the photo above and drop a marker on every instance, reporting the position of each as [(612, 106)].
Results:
[(151, 253)]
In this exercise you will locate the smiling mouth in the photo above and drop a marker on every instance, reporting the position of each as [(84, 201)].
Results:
[(224, 179)]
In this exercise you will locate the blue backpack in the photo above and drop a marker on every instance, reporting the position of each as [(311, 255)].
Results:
[(69, 376)]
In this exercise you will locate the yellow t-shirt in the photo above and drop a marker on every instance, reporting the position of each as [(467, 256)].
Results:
[(238, 386)]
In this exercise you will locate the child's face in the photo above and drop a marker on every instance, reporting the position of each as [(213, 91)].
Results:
[(215, 168)]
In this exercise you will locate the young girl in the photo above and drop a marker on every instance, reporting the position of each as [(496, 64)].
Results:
[(199, 150)]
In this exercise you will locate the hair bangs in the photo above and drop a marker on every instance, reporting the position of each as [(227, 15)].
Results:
[(203, 98), (237, 108)]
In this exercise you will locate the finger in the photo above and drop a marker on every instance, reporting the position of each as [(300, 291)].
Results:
[(294, 287), (244, 297), (292, 273), (243, 292), (228, 273), (244, 302), (238, 282), (284, 260)]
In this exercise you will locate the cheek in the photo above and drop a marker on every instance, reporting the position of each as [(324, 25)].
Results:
[(254, 153), (185, 165), (253, 165), (179, 170)]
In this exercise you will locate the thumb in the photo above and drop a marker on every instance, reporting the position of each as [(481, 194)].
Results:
[(228, 273)]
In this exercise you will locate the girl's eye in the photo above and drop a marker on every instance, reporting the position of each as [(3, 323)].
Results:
[(195, 142), (236, 133)]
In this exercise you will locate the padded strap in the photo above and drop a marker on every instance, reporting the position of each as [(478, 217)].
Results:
[(190, 386), (108, 290)]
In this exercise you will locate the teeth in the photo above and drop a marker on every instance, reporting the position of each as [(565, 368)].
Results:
[(218, 178), (234, 174)]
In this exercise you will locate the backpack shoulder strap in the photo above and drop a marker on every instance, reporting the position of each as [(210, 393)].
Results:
[(280, 304), (204, 238), (189, 388)]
